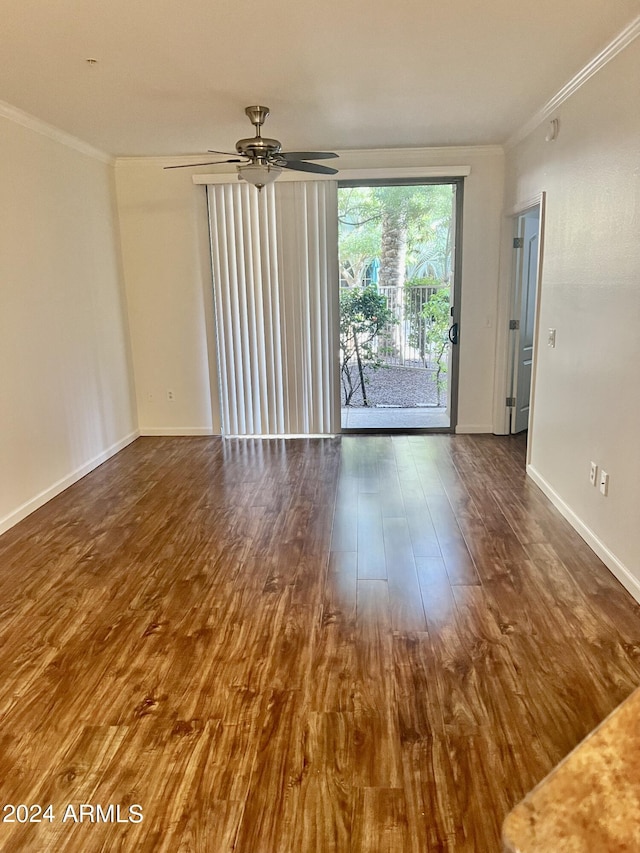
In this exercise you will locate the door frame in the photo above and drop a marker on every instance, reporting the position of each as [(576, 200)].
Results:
[(458, 182), (510, 350), (519, 296)]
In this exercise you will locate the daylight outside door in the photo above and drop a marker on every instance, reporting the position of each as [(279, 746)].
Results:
[(398, 292)]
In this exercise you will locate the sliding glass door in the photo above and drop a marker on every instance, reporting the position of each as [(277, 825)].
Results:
[(399, 298)]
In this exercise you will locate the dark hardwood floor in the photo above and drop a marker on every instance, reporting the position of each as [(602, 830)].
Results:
[(366, 645)]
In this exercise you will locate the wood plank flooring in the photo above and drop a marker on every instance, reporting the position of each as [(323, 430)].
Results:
[(365, 645)]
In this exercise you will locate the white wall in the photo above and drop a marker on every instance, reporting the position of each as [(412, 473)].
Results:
[(165, 248), (66, 396), (167, 271), (587, 400)]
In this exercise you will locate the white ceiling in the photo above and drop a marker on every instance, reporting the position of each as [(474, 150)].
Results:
[(174, 77)]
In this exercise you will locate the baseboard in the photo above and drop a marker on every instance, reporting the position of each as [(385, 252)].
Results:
[(176, 431), (471, 429), (617, 568), (39, 500), (280, 435)]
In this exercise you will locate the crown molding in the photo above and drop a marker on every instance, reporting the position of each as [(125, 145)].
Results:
[(362, 174), (420, 161), (19, 116), (615, 46), (371, 156), (417, 156)]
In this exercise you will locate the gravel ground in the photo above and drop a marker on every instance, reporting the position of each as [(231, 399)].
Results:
[(406, 387)]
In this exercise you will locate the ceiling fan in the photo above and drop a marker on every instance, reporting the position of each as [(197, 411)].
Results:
[(261, 160)]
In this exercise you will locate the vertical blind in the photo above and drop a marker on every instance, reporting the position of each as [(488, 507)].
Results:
[(275, 278)]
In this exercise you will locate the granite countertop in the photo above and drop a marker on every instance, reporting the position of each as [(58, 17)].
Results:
[(591, 800)]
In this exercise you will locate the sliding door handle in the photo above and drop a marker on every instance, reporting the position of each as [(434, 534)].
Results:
[(453, 333)]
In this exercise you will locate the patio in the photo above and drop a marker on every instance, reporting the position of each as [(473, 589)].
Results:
[(384, 417), (399, 397)]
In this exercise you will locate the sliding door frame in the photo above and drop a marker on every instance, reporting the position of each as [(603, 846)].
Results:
[(458, 183)]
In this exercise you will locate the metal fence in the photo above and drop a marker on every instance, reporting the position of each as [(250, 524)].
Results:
[(405, 341)]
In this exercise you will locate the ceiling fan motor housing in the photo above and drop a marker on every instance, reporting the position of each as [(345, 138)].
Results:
[(258, 147)]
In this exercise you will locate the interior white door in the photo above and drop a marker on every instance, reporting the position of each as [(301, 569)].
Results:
[(526, 294)]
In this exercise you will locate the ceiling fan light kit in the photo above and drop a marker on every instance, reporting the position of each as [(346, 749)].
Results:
[(264, 157), (259, 174)]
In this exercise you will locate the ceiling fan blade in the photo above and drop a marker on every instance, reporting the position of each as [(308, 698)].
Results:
[(308, 155), (300, 166), (228, 153), (208, 163)]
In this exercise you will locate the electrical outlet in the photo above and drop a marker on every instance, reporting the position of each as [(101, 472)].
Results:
[(593, 474), (604, 483), (171, 396)]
